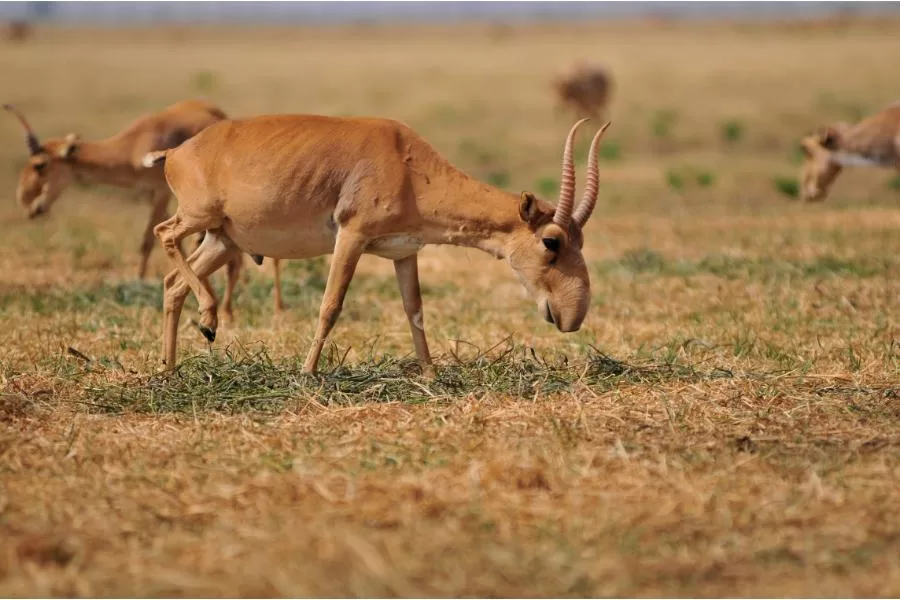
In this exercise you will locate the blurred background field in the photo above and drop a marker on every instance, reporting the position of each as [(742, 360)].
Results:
[(725, 422)]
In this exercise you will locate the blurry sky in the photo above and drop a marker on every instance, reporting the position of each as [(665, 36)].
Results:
[(299, 12)]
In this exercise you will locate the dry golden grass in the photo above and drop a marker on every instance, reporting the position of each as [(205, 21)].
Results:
[(742, 440)]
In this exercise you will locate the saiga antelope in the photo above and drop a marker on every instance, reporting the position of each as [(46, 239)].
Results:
[(873, 142), (55, 163), (303, 186), (18, 31), (584, 88)]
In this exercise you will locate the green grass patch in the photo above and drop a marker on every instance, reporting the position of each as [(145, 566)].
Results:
[(732, 131), (787, 186), (675, 180), (205, 82), (547, 186), (662, 123), (646, 261), (237, 380), (681, 178), (610, 151), (499, 178)]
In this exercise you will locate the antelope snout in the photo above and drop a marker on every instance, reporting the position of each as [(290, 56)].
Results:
[(564, 323), (812, 194), (36, 210)]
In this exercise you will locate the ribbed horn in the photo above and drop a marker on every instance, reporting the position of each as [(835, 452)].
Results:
[(563, 214), (34, 146), (592, 182)]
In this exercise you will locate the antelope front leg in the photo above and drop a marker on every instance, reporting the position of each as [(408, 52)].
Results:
[(347, 251), (407, 271), (157, 215)]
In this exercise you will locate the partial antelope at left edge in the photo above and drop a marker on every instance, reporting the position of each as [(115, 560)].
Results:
[(300, 186), (54, 164)]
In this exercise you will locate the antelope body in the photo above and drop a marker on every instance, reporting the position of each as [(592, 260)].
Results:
[(585, 88), (303, 186), (873, 142), (55, 163), (17, 31)]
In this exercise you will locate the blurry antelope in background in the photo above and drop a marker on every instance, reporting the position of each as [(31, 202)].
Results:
[(873, 142), (55, 163), (584, 88)]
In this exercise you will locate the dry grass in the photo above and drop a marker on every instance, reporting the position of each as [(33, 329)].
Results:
[(725, 423)]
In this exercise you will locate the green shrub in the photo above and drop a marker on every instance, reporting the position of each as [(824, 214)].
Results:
[(675, 180), (705, 179), (787, 186), (732, 131), (547, 186), (498, 178), (662, 123), (205, 81)]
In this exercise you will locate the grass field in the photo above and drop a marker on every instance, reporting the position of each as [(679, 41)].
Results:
[(725, 422)]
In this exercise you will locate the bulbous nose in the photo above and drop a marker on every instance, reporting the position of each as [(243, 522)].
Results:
[(811, 194), (36, 211), (563, 324)]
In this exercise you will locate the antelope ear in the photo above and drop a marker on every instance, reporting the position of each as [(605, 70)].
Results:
[(829, 138), (69, 146), (528, 208)]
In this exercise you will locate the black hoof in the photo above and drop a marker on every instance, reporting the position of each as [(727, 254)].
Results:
[(209, 334), (257, 258)]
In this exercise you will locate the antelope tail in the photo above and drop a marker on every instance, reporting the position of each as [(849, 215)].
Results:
[(152, 159)]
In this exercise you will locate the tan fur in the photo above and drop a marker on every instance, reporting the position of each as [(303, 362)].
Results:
[(296, 186), (584, 88), (57, 162), (874, 141), (18, 31)]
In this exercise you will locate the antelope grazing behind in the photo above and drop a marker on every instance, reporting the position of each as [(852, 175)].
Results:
[(17, 31), (55, 163), (873, 142), (303, 186), (585, 88)]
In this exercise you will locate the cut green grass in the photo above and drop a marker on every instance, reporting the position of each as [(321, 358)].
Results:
[(237, 380)]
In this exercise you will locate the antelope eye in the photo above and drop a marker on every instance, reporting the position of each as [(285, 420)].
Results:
[(551, 244), (39, 167)]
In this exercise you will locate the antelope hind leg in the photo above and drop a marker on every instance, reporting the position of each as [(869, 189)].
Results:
[(215, 251), (170, 232)]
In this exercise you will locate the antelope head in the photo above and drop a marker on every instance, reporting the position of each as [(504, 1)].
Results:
[(48, 171), (546, 251), (820, 167)]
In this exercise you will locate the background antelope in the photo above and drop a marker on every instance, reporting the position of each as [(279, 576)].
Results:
[(873, 142), (17, 31), (55, 163), (584, 88), (304, 186)]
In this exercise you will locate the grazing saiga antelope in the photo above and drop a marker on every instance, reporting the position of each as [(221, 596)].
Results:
[(873, 142), (585, 88), (17, 31), (296, 186), (55, 163)]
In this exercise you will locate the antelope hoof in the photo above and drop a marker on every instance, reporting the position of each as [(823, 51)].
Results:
[(208, 333), (257, 258)]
